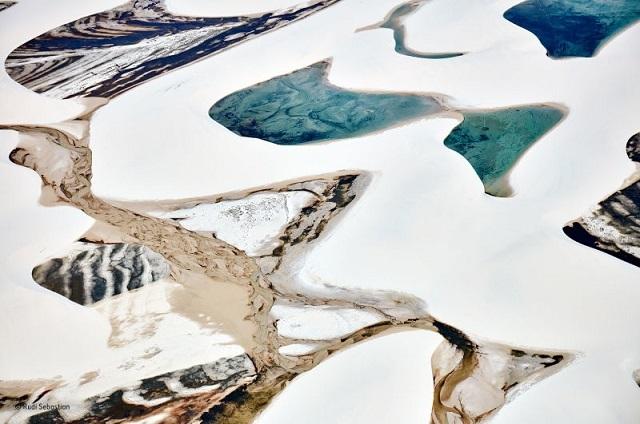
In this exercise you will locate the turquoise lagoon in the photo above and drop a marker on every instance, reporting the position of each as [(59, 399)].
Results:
[(303, 107), (492, 141), (576, 28)]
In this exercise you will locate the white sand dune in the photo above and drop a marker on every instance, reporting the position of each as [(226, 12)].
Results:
[(226, 7), (380, 381), (500, 268)]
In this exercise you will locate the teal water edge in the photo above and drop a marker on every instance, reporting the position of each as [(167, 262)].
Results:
[(303, 107), (395, 22), (492, 141), (574, 28)]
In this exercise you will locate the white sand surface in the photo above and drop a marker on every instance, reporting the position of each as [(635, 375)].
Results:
[(48, 337), (497, 268), (385, 380), (321, 323), (39, 329), (45, 336), (471, 26), (227, 7), (252, 224)]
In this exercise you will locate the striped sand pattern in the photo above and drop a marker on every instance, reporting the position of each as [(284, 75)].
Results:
[(108, 53), (6, 4), (182, 392), (613, 225), (93, 271)]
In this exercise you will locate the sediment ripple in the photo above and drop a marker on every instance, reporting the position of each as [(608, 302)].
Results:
[(106, 54)]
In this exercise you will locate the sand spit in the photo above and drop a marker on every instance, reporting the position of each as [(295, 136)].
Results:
[(474, 378)]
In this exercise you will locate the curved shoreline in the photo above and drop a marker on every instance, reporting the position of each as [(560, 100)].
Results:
[(395, 22)]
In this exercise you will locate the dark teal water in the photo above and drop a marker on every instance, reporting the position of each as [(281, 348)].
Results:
[(575, 28), (492, 141), (302, 107)]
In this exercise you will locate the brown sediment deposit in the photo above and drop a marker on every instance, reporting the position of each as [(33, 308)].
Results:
[(473, 378)]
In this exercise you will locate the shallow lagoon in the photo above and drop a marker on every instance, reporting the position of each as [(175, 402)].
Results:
[(395, 22), (569, 28), (492, 141), (303, 107)]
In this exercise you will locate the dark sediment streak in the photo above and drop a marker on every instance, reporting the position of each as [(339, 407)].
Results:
[(6, 4), (613, 225), (101, 270), (460, 360), (182, 394), (108, 53)]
